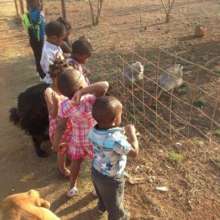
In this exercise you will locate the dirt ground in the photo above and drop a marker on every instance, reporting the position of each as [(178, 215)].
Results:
[(194, 183)]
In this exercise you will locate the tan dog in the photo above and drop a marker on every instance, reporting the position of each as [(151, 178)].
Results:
[(26, 206)]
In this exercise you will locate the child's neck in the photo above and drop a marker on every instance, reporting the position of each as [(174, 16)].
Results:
[(75, 58), (52, 42), (54, 87), (105, 127)]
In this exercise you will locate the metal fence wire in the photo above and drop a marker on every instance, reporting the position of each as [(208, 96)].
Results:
[(191, 110)]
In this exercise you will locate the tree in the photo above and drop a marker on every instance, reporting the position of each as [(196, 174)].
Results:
[(21, 6), (16, 7), (63, 7), (95, 10), (168, 6)]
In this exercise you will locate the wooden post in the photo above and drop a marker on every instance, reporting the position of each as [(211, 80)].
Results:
[(42, 4), (21, 6), (63, 7), (16, 7)]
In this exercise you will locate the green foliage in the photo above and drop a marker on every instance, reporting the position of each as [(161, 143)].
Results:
[(199, 103), (182, 89), (175, 157), (217, 132)]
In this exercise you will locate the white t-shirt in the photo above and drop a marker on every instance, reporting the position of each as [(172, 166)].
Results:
[(49, 53)]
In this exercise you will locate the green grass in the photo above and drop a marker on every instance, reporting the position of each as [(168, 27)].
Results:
[(175, 157)]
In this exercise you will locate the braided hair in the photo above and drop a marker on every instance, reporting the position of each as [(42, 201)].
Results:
[(57, 67), (65, 23)]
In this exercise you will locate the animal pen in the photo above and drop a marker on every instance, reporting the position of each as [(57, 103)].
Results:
[(177, 115)]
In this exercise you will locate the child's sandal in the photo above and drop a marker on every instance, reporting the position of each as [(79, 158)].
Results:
[(72, 192)]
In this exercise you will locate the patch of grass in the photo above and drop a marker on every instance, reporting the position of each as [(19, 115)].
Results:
[(218, 72), (182, 89), (199, 103), (217, 132), (175, 157)]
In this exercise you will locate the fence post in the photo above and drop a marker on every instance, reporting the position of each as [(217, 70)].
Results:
[(63, 7), (21, 6), (16, 7)]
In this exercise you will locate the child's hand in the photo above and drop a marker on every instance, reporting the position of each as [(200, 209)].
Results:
[(54, 148), (62, 148), (77, 96)]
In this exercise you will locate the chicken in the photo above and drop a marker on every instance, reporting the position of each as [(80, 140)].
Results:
[(172, 78), (134, 72)]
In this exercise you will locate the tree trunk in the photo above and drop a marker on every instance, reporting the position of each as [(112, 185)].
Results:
[(167, 18), (92, 12), (63, 9), (16, 8), (99, 10), (42, 4), (21, 6)]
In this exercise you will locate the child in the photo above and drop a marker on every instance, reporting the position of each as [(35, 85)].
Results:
[(79, 111), (111, 148), (53, 99), (66, 46), (55, 32), (34, 22), (81, 51)]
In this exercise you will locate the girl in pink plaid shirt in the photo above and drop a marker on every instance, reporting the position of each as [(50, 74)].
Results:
[(77, 109), (53, 99)]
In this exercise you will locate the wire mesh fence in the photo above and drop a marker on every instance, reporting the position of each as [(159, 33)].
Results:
[(163, 116)]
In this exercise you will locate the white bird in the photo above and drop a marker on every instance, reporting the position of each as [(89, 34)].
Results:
[(172, 78), (134, 72)]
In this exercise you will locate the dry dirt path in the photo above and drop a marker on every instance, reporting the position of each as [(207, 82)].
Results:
[(20, 169), (194, 181)]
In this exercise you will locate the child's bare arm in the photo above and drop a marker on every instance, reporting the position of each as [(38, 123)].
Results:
[(61, 126), (52, 102), (132, 139), (98, 89)]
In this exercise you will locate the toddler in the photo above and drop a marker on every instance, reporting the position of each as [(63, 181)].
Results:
[(78, 109), (55, 32), (111, 144), (53, 99)]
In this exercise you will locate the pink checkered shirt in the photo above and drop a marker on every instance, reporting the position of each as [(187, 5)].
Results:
[(82, 121), (53, 126)]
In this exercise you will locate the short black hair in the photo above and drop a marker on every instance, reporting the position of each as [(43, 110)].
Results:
[(54, 28), (105, 109), (82, 46)]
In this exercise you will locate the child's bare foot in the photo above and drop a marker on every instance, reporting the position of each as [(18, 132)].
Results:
[(65, 172)]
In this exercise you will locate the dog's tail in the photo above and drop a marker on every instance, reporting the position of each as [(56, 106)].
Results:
[(14, 116)]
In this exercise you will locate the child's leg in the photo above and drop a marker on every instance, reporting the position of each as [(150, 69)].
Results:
[(101, 205), (37, 47), (75, 168), (61, 162), (111, 191)]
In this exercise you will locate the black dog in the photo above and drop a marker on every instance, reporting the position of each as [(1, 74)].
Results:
[(31, 115)]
